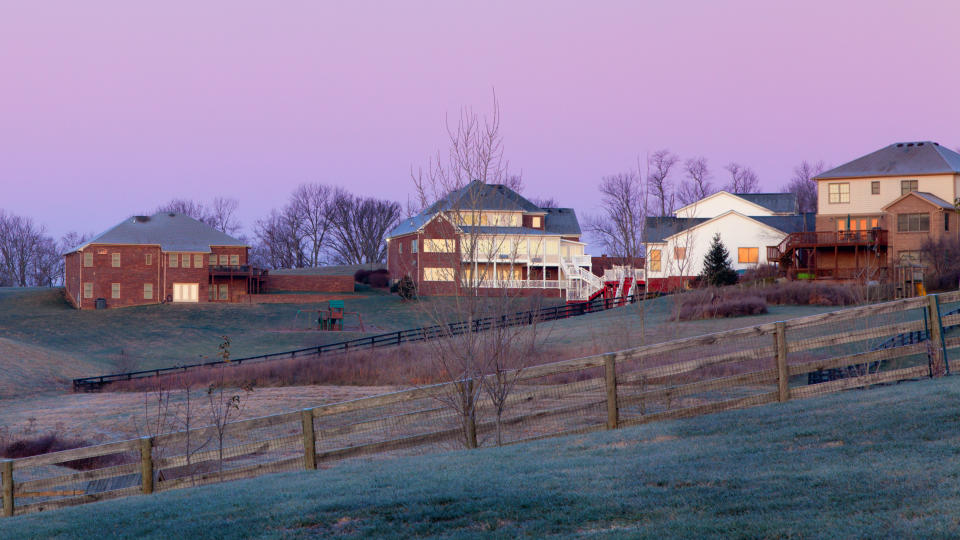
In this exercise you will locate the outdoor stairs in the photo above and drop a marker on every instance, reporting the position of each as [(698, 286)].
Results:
[(588, 286)]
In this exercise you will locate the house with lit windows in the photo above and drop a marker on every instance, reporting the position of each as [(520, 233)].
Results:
[(159, 258), (875, 212), (487, 239), (746, 222)]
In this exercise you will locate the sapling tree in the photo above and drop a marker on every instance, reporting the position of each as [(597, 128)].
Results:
[(223, 406)]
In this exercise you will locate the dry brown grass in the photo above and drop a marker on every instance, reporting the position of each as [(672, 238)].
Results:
[(28, 369)]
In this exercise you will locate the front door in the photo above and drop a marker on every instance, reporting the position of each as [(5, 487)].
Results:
[(186, 292)]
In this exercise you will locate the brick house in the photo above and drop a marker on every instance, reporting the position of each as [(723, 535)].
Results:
[(874, 212), (486, 239), (159, 258)]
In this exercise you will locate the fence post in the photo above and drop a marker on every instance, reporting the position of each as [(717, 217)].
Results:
[(309, 440), (938, 365), (146, 464), (470, 414), (783, 374), (6, 474), (610, 376)]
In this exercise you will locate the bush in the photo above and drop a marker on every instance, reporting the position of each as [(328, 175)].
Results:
[(764, 273), (407, 288), (800, 293), (716, 303), (53, 442), (379, 279), (362, 276)]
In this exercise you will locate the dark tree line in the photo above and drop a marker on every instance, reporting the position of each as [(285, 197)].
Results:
[(29, 257)]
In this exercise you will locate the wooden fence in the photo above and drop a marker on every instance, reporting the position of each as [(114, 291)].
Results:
[(768, 363)]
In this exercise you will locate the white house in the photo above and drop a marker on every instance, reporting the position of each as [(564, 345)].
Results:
[(747, 224)]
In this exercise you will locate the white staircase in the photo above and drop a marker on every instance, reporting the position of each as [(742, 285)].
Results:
[(583, 283)]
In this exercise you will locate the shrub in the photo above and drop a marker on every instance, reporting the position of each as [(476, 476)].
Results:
[(764, 273), (809, 294), (716, 303), (53, 442), (362, 276), (407, 288), (379, 279)]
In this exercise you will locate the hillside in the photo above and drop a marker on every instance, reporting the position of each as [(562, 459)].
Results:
[(28, 369), (865, 463)]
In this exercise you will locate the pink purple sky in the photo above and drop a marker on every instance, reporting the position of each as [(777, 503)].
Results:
[(108, 109)]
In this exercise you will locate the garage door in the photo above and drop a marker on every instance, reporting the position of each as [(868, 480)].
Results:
[(186, 292)]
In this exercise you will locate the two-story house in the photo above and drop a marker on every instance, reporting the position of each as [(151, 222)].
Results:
[(487, 239), (875, 212), (159, 258), (746, 222)]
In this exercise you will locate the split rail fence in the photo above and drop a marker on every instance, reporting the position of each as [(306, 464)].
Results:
[(768, 363)]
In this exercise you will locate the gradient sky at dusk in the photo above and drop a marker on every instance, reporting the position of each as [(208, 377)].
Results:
[(108, 109)]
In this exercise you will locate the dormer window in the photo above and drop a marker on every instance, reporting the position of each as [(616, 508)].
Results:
[(535, 222)]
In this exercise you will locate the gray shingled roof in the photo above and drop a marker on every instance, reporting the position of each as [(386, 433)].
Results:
[(480, 196), (659, 229), (900, 159), (561, 221), (781, 203), (172, 232), (929, 197), (790, 224)]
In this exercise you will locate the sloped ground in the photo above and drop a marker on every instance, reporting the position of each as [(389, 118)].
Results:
[(27, 369), (867, 463)]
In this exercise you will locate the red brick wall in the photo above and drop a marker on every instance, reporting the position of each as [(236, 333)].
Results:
[(441, 229), (308, 283), (403, 263), (134, 272), (913, 241)]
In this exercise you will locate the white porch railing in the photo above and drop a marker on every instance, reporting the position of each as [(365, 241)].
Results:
[(523, 284)]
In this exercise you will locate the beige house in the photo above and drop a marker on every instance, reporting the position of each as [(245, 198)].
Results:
[(865, 223)]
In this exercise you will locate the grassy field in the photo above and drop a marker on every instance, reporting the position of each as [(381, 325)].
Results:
[(46, 342), (170, 334), (866, 463)]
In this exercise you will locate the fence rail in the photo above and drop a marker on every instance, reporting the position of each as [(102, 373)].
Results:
[(678, 379), (94, 384)]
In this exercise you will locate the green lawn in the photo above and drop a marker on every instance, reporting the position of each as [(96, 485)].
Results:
[(877, 463), (170, 334)]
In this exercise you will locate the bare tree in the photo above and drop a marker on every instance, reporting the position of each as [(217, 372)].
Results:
[(545, 202), (659, 165), (487, 358), (475, 153), (221, 215), (359, 227), (620, 226), (24, 249), (804, 186), (697, 185), (742, 179), (313, 205), (184, 207), (279, 240)]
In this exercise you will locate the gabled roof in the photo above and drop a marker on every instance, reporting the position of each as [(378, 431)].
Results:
[(493, 197), (928, 197), (479, 196), (781, 203), (899, 159), (172, 232), (660, 229)]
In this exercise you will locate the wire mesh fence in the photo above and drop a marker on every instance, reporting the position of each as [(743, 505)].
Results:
[(857, 347)]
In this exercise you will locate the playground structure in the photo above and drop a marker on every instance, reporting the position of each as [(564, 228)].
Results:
[(330, 319)]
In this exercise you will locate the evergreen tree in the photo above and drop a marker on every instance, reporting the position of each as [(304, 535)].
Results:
[(716, 265)]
